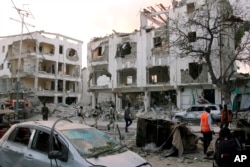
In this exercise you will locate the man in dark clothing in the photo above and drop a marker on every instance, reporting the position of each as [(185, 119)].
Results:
[(226, 117), (226, 148), (45, 112), (127, 117)]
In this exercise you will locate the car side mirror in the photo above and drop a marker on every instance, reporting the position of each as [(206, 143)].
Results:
[(58, 155), (54, 154)]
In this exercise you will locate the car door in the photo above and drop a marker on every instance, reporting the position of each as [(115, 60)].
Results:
[(191, 112), (37, 154), (14, 148)]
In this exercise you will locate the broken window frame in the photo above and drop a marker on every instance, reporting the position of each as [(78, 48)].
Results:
[(160, 72), (123, 49), (157, 42), (195, 69), (190, 8), (123, 75), (191, 36)]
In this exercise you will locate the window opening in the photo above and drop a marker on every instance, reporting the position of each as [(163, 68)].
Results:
[(157, 42), (192, 36), (190, 8), (60, 49), (20, 135)]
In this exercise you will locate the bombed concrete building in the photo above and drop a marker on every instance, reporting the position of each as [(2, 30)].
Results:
[(142, 68), (49, 66)]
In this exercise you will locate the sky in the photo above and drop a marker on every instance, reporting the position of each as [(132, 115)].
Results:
[(79, 19)]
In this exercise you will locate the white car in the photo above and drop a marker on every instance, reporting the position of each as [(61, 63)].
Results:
[(193, 113), (55, 143)]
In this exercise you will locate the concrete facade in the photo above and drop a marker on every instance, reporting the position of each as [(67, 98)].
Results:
[(49, 66), (142, 68)]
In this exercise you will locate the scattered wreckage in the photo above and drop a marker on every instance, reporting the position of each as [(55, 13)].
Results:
[(156, 134)]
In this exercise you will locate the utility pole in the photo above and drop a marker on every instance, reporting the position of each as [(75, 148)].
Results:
[(22, 13)]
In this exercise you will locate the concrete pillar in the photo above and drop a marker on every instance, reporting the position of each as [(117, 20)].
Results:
[(36, 67), (55, 99), (64, 91), (147, 99), (94, 101), (178, 98)]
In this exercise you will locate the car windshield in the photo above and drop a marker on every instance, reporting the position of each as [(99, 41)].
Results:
[(90, 142)]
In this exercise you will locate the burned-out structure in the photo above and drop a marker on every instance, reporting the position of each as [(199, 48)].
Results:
[(143, 68), (46, 64)]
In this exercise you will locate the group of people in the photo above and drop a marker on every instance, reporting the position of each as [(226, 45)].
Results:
[(127, 117), (112, 116), (226, 147)]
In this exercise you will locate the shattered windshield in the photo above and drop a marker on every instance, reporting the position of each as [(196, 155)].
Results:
[(90, 142)]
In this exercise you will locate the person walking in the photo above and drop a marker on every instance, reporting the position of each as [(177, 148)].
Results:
[(226, 117), (111, 116), (206, 129), (127, 117), (96, 113), (45, 112), (81, 115)]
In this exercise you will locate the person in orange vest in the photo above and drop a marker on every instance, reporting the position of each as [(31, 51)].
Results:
[(206, 128), (226, 117)]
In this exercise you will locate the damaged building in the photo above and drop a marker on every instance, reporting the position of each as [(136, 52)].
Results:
[(142, 68), (49, 66)]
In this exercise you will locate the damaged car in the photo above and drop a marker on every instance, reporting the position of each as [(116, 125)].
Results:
[(63, 143)]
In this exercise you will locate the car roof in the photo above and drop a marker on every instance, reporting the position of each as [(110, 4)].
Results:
[(61, 125)]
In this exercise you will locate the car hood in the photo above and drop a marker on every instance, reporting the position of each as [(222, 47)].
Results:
[(187, 115), (182, 113), (125, 159)]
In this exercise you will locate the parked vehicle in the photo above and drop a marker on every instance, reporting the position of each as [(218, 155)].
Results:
[(25, 108), (62, 143), (193, 113)]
